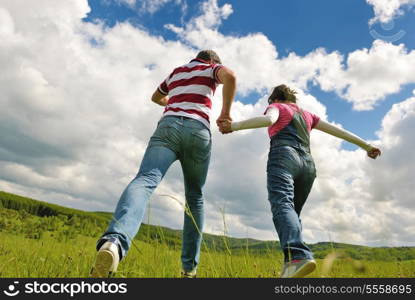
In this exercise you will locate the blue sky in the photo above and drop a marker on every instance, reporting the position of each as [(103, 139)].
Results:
[(297, 26)]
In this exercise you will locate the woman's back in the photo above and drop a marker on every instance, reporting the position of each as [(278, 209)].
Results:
[(293, 126), (286, 114)]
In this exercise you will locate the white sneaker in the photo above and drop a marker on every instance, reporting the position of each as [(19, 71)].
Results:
[(106, 261), (189, 274), (298, 268)]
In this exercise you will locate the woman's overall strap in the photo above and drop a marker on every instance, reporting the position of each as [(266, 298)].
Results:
[(301, 126)]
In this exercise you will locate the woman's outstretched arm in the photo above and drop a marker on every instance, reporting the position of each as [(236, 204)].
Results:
[(257, 122), (326, 127)]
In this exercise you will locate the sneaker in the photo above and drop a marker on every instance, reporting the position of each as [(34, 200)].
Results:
[(298, 268), (189, 274), (106, 261)]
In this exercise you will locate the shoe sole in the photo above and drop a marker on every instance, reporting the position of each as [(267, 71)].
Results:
[(305, 269), (103, 264)]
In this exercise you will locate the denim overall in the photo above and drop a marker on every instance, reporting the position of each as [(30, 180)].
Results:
[(290, 176)]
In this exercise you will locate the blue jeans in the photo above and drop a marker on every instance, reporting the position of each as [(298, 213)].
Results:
[(291, 173), (176, 138)]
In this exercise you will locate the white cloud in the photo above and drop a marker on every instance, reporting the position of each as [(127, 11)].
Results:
[(133, 2), (78, 117), (394, 183), (6, 25), (148, 6), (364, 77), (151, 6), (386, 10), (370, 74), (361, 200)]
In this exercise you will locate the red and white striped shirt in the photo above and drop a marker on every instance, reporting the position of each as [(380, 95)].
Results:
[(190, 88)]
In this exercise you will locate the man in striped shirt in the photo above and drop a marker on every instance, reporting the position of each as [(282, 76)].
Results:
[(183, 134)]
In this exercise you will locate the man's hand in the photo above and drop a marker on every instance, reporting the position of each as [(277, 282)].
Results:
[(225, 126), (222, 118), (374, 152), (159, 98)]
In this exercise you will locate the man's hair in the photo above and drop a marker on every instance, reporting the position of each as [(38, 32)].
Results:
[(283, 93), (209, 55)]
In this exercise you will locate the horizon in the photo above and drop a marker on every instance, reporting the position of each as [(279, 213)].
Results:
[(223, 234)]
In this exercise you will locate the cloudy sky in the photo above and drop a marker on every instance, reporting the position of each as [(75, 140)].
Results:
[(76, 114)]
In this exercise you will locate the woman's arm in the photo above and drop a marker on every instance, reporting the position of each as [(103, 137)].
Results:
[(347, 136), (257, 122)]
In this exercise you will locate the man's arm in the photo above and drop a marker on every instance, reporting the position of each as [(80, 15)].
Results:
[(372, 152), (159, 98), (257, 122), (228, 78)]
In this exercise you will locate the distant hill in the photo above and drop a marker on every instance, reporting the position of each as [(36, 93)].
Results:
[(100, 219), (33, 218)]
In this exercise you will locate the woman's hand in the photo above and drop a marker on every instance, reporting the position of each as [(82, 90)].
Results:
[(374, 152), (225, 126)]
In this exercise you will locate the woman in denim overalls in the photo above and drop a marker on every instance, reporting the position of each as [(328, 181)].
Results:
[(291, 171)]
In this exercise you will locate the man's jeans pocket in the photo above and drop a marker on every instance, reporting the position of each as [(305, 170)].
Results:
[(201, 145)]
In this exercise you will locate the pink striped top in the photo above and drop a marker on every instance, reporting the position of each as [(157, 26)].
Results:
[(286, 114), (190, 88)]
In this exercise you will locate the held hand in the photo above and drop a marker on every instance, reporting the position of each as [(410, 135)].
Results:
[(222, 118), (225, 126), (374, 152)]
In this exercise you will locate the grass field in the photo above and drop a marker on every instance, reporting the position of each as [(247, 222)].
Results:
[(43, 240), (47, 257)]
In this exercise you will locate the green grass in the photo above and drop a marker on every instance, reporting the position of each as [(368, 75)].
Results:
[(47, 257), (44, 240)]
